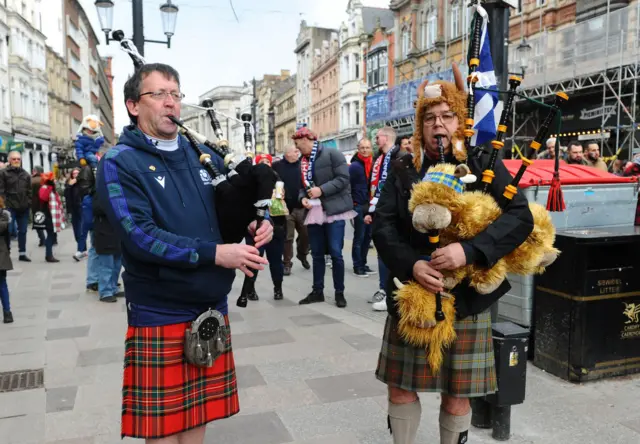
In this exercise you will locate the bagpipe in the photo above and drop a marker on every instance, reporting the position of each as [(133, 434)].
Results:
[(243, 194), (555, 201)]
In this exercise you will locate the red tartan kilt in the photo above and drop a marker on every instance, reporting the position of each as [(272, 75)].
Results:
[(163, 395)]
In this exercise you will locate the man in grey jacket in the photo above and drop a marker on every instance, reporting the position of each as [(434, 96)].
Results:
[(326, 194)]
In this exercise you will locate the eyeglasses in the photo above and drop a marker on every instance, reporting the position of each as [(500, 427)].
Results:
[(446, 118), (162, 95)]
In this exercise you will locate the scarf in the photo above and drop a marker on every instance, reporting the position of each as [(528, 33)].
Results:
[(378, 178), (307, 165), (367, 161)]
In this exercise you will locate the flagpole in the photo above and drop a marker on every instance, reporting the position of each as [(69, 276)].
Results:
[(498, 29)]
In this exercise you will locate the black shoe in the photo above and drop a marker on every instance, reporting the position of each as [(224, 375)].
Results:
[(360, 272), (304, 262), (277, 293), (8, 317), (119, 294), (341, 302), (253, 296), (92, 287), (50, 259), (369, 270), (108, 299), (314, 296), (41, 244), (287, 271), (24, 258)]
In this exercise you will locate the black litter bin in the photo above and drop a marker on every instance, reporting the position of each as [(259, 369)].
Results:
[(587, 306), (510, 343)]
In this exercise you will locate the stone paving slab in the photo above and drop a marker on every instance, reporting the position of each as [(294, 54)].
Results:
[(305, 373)]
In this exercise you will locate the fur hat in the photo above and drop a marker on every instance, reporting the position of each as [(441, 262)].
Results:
[(92, 125), (455, 96)]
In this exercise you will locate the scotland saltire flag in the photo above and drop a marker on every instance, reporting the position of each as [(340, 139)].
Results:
[(488, 107)]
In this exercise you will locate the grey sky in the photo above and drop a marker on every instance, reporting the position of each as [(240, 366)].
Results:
[(210, 48)]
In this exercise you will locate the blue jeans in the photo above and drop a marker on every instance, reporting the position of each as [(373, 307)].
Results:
[(4, 291), (48, 242), (361, 238), (108, 268), (383, 271), (22, 220), (92, 266), (322, 238), (91, 159), (79, 233)]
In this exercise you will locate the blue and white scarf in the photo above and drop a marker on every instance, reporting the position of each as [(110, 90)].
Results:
[(378, 183)]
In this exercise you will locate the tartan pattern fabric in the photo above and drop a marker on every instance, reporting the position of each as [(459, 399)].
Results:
[(468, 369), (445, 179), (57, 212), (162, 394)]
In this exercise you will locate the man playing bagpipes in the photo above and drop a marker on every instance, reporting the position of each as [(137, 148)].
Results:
[(468, 365), (179, 371)]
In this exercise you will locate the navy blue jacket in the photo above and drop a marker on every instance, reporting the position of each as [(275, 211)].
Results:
[(359, 182), (162, 206)]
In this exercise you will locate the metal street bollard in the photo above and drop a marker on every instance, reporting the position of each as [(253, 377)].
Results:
[(510, 342)]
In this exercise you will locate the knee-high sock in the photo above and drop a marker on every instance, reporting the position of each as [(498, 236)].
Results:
[(454, 429), (404, 420)]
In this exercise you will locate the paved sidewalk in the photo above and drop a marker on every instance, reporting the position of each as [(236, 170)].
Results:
[(305, 373)]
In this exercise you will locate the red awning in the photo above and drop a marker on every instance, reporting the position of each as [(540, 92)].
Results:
[(541, 173)]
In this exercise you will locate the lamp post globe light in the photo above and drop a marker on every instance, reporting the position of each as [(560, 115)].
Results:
[(524, 50), (168, 11)]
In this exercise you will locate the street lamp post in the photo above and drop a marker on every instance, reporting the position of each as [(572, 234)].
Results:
[(168, 10), (524, 50)]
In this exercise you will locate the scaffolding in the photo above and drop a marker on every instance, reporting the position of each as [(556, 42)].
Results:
[(598, 56)]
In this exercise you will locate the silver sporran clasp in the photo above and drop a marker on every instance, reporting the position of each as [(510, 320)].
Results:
[(206, 339)]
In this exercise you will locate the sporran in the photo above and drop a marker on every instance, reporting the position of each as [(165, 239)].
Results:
[(206, 339)]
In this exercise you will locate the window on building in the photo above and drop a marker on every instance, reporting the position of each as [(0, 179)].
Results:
[(5, 103), (406, 41), (356, 105), (455, 21), (346, 115), (356, 62), (346, 76), (383, 67), (540, 3), (432, 30)]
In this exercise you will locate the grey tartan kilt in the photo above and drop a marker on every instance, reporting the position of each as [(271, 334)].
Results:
[(468, 369)]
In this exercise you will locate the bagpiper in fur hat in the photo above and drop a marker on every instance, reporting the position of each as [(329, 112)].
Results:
[(454, 95)]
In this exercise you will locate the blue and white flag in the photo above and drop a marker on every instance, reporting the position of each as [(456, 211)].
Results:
[(488, 106)]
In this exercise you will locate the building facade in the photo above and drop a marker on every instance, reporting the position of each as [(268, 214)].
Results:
[(29, 84), (591, 51), (265, 141), (58, 93), (83, 62), (105, 82), (325, 86), (5, 102), (285, 113), (226, 100), (243, 106), (379, 69), (361, 22), (309, 39)]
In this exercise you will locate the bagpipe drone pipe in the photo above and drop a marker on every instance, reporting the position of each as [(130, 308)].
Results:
[(243, 195)]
